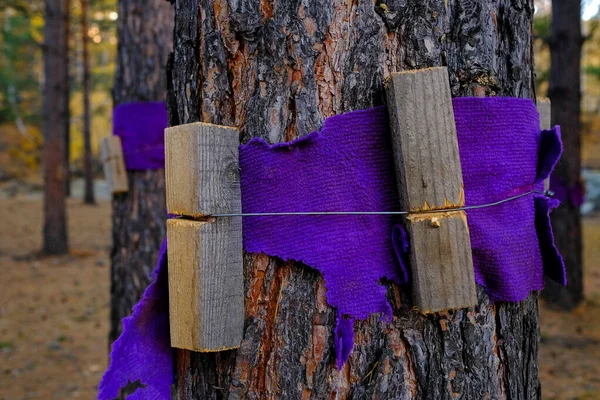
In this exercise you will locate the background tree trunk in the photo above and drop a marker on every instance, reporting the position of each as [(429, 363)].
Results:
[(145, 32), (67, 69), (565, 92), (276, 69), (88, 196), (55, 114)]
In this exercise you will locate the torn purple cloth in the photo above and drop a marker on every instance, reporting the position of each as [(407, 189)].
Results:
[(348, 166), (141, 127), (143, 351), (574, 194), (503, 154)]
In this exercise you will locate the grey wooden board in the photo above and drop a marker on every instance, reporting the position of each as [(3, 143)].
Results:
[(544, 107), (429, 177), (202, 169), (444, 277), (424, 134), (111, 156), (206, 286)]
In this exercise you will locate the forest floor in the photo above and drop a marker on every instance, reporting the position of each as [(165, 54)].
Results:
[(54, 311)]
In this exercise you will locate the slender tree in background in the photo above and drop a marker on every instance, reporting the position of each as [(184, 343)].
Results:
[(565, 92), (67, 8), (277, 69), (88, 195), (55, 113), (145, 33)]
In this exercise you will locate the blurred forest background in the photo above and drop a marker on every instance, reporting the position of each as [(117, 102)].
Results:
[(54, 321), (21, 83)]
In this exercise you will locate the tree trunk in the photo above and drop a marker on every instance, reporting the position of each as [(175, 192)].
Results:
[(276, 69), (145, 31), (565, 92), (67, 68), (88, 196), (55, 114)]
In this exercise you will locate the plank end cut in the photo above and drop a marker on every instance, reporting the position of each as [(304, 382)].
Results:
[(202, 169), (206, 288), (429, 178), (111, 156)]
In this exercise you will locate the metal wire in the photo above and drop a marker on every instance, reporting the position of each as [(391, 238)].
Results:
[(465, 208)]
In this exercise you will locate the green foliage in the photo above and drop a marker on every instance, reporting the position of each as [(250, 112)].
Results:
[(21, 78), (20, 63)]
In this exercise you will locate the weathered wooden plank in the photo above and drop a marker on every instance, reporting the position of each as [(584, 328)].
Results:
[(430, 178), (424, 135), (206, 289), (544, 107), (111, 156), (202, 169)]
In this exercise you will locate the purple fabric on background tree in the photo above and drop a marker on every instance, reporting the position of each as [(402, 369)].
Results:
[(143, 351), (348, 166), (141, 127)]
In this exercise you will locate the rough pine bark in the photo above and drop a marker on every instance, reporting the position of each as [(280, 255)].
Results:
[(565, 93), (55, 115), (276, 69), (88, 195), (145, 32)]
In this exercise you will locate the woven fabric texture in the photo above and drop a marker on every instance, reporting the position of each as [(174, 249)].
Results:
[(141, 127)]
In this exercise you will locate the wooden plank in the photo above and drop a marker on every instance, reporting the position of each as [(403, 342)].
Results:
[(441, 251), (202, 169), (544, 108), (429, 177), (111, 156), (206, 289), (424, 136)]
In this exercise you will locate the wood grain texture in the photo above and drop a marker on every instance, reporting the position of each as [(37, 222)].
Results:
[(441, 261), (202, 169), (206, 286), (430, 178), (111, 156), (276, 69), (424, 138), (544, 107)]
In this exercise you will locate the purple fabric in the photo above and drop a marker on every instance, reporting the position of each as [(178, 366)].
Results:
[(348, 166), (503, 154), (574, 195), (143, 351), (141, 127), (343, 335)]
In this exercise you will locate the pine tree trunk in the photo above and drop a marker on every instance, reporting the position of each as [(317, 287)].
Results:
[(55, 115), (67, 68), (145, 31), (565, 93), (88, 196), (276, 69)]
